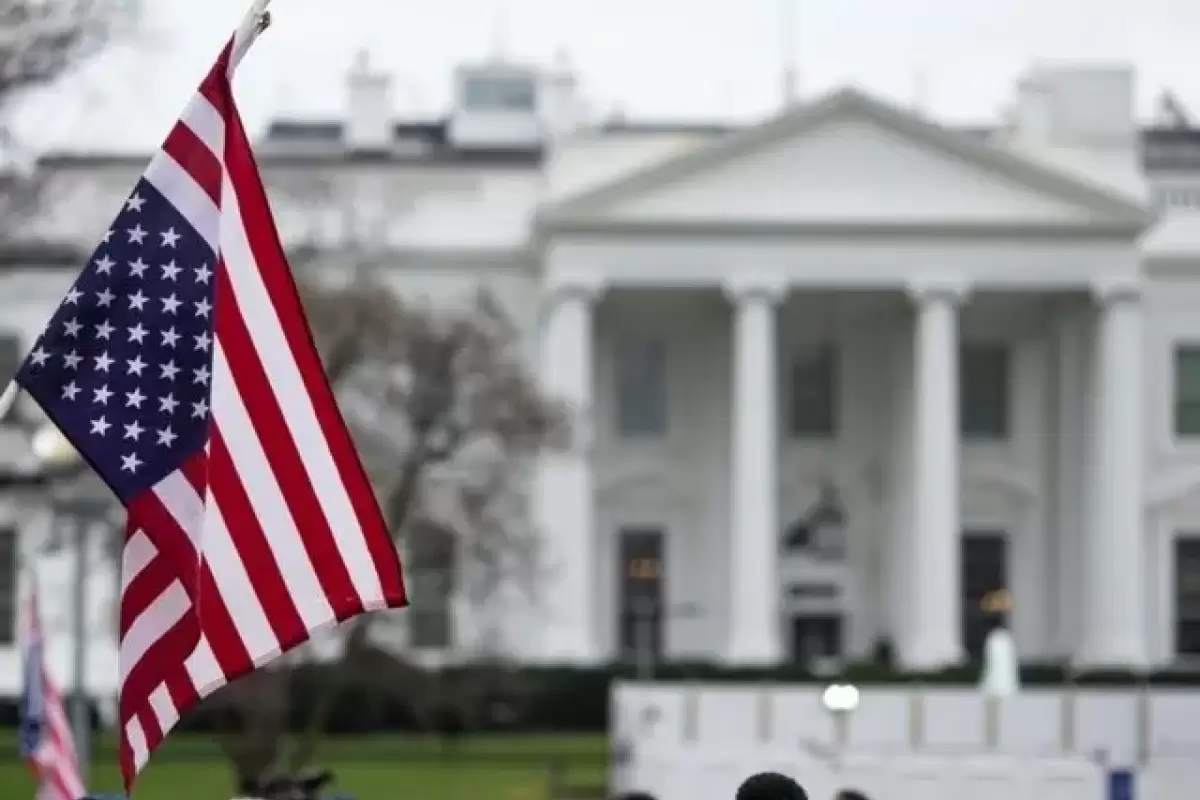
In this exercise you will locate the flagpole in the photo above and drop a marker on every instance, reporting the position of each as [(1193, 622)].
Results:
[(257, 20), (8, 399)]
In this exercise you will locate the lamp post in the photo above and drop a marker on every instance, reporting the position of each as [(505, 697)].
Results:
[(840, 700), (82, 510)]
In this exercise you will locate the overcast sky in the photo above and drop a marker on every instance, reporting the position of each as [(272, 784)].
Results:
[(658, 59)]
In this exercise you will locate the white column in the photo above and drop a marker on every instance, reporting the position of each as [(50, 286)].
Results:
[(934, 636), (754, 619), (565, 502), (1073, 424), (1113, 624)]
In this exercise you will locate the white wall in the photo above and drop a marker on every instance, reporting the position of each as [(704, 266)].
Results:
[(700, 741), (681, 483), (1173, 485)]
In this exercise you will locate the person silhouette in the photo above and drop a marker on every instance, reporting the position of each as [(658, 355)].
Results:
[(770, 786), (850, 794)]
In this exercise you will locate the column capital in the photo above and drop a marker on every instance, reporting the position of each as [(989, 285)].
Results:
[(587, 287), (745, 288), (1111, 291), (952, 290)]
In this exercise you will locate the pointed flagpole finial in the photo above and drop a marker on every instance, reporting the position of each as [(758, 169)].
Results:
[(257, 20)]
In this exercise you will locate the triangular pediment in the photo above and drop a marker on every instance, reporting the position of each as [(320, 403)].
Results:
[(850, 160)]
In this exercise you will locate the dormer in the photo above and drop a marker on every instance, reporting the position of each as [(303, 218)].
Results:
[(496, 107)]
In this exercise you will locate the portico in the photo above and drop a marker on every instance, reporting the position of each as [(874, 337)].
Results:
[(895, 245)]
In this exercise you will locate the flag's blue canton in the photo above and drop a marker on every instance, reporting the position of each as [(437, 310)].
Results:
[(125, 365), (32, 701)]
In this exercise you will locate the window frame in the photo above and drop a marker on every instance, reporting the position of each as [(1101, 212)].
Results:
[(652, 541), (973, 612), (1002, 431), (10, 596), (444, 568), (1181, 540), (825, 360), (496, 93), (622, 419), (1179, 402), (10, 344)]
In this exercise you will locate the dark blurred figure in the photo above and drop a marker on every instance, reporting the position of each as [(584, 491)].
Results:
[(851, 794), (770, 786), (636, 796)]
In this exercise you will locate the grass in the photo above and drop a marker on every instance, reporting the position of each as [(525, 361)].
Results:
[(368, 767)]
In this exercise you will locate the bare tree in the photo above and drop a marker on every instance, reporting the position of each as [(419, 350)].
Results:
[(40, 41), (448, 420)]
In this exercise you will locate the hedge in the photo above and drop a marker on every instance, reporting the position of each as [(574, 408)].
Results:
[(576, 699)]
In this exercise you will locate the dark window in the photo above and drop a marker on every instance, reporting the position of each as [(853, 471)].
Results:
[(8, 585), (985, 590), (499, 93), (1187, 390), (642, 388), (641, 593), (1187, 594), (432, 562), (812, 410), (984, 391), (816, 636)]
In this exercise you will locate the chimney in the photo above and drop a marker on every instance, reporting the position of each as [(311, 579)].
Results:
[(559, 104), (1034, 112), (369, 122), (1080, 106)]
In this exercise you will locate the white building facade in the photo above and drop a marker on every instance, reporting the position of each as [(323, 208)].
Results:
[(846, 379)]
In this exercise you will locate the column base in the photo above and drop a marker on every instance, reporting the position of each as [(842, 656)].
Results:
[(746, 652), (568, 648), (930, 655), (1112, 656)]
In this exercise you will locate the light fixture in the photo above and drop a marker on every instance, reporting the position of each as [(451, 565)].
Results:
[(52, 448), (840, 697), (996, 602)]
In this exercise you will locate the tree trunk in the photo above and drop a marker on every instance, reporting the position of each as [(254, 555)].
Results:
[(396, 509), (308, 741)]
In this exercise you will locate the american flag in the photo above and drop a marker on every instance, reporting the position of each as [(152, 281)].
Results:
[(45, 734), (182, 369)]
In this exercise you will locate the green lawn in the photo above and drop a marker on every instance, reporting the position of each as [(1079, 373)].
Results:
[(371, 768)]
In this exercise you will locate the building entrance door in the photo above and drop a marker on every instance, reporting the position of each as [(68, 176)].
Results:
[(816, 637)]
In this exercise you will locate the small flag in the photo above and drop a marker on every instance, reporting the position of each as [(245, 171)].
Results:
[(181, 368), (45, 733)]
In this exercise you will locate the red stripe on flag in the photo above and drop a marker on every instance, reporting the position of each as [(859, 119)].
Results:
[(170, 539), (279, 446), (143, 590), (182, 690), (195, 469), (160, 659), (196, 159), (252, 545), (221, 630), (276, 275)]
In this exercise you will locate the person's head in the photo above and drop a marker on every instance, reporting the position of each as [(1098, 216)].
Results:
[(770, 786), (851, 794), (636, 796)]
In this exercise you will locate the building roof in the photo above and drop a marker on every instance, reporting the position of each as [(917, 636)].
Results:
[(293, 141), (1102, 205), (1175, 238)]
